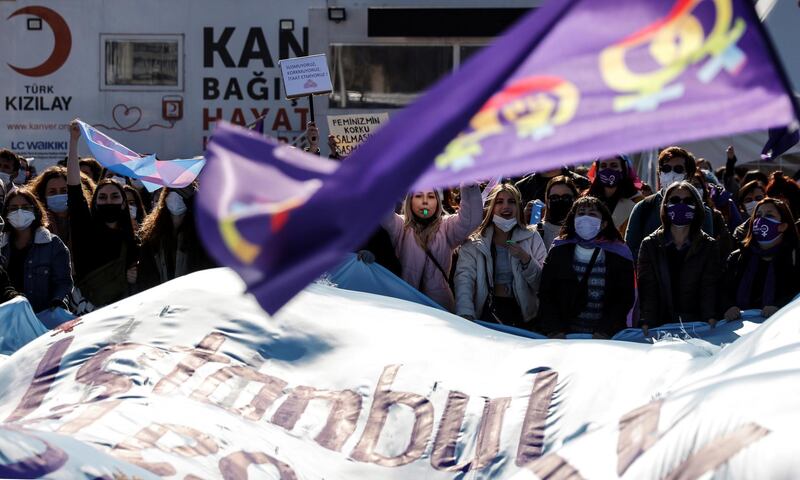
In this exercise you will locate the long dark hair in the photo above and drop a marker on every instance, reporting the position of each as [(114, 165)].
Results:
[(137, 199), (158, 225), (699, 212), (790, 237), (782, 186), (125, 223), (609, 233), (625, 187)]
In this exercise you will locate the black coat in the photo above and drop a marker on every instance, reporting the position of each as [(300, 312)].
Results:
[(696, 299), (787, 277), (561, 299)]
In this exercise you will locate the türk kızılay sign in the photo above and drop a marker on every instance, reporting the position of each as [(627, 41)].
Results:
[(192, 379), (351, 130)]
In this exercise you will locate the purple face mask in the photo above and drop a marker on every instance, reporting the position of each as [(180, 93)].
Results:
[(609, 177), (765, 229), (680, 214)]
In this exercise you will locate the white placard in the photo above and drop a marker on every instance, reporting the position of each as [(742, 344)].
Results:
[(304, 76), (351, 130)]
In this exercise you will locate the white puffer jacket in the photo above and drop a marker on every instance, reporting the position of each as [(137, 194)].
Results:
[(475, 270)]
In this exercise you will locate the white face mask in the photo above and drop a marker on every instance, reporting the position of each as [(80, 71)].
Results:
[(175, 204), (504, 224), (668, 179), (134, 210), (21, 219), (587, 227), (749, 207), (5, 178)]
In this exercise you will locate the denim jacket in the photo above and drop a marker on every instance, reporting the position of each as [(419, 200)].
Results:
[(48, 277)]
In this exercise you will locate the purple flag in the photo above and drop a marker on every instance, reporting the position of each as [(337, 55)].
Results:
[(780, 141), (572, 81)]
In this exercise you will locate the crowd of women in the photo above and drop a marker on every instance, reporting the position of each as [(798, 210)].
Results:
[(554, 252), (80, 237), (606, 253)]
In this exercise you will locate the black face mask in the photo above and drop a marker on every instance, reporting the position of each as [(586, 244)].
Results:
[(558, 211), (109, 213)]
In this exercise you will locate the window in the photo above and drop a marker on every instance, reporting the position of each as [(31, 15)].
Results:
[(385, 76), (390, 76), (142, 62)]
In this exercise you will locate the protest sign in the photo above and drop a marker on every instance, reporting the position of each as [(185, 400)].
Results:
[(351, 130), (305, 76)]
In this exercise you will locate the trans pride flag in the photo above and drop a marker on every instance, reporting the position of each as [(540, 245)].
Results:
[(153, 173), (572, 81)]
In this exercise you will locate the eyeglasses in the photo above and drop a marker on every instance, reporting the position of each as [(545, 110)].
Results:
[(556, 198), (674, 200), (670, 168)]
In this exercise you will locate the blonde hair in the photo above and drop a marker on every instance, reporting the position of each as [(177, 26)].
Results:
[(423, 232), (492, 200)]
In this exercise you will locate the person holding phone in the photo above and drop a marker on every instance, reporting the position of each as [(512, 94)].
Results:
[(499, 268)]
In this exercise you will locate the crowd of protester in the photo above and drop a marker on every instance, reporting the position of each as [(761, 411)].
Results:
[(78, 237), (561, 253), (590, 250)]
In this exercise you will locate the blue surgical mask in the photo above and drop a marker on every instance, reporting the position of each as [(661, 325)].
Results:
[(587, 227), (57, 203)]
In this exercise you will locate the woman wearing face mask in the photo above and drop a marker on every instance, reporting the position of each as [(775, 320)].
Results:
[(170, 245), (749, 196), (721, 233), (50, 189), (765, 273), (424, 239), (135, 206), (498, 271), (37, 261), (105, 246), (587, 279), (560, 194), (613, 183), (679, 264)]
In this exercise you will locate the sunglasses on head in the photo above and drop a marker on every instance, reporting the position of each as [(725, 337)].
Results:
[(670, 168), (674, 200)]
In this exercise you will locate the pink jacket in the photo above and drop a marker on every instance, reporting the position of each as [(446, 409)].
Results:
[(453, 231)]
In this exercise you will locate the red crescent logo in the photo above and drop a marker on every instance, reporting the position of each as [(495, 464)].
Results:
[(63, 41)]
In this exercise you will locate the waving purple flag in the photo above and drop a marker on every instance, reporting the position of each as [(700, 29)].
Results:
[(153, 173), (574, 80), (780, 141)]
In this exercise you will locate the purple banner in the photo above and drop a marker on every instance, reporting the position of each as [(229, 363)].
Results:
[(604, 81), (573, 81)]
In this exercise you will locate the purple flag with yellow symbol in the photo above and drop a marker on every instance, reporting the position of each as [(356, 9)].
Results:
[(572, 81), (153, 173)]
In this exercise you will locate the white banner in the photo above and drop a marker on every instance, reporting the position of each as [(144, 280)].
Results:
[(193, 379)]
